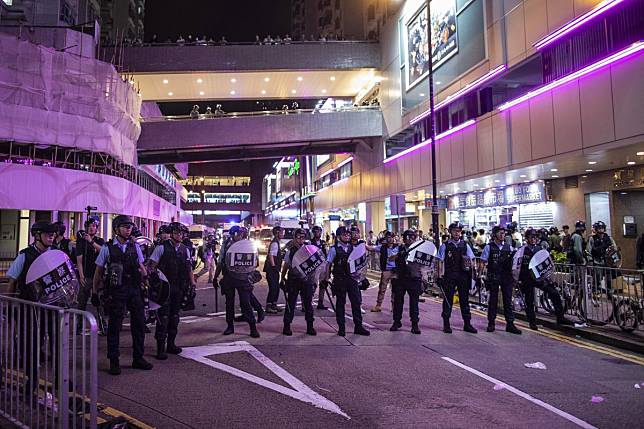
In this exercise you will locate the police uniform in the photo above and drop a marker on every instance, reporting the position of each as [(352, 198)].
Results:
[(597, 247), (273, 274), (124, 296), (343, 285), (527, 284), (295, 286), (387, 271), (174, 261), (499, 275), (408, 282), (457, 258), (321, 244), (230, 283)]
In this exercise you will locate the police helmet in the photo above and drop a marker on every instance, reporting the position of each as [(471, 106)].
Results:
[(410, 233), (530, 232), (174, 227), (497, 228), (580, 224), (354, 228), (554, 230), (163, 229), (299, 232), (316, 228), (388, 234), (341, 230), (243, 231), (43, 226), (455, 225), (234, 230), (599, 225), (92, 220), (276, 229), (61, 227), (121, 220)]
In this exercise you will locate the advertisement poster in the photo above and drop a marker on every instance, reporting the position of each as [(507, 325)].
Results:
[(444, 42)]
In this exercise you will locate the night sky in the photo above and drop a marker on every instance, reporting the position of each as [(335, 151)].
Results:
[(237, 20)]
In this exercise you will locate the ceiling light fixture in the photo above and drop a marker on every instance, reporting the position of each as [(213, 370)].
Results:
[(422, 94), (201, 93), (165, 81), (640, 154), (554, 170), (299, 78), (497, 181), (267, 79), (293, 91), (555, 176), (200, 80), (263, 91), (170, 94), (592, 162), (522, 176), (232, 92), (631, 163), (324, 91), (588, 170), (233, 80), (332, 78)]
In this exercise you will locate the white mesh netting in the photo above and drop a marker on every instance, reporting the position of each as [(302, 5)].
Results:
[(56, 98)]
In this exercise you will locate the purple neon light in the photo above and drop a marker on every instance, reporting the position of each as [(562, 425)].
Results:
[(631, 50), (466, 89), (428, 141), (576, 23)]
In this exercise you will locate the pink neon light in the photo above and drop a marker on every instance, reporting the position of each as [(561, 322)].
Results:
[(428, 141), (576, 23), (633, 49), (466, 89)]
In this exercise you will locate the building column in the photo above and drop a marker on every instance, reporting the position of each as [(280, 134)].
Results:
[(375, 216)]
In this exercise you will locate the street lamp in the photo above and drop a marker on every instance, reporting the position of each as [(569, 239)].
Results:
[(432, 130)]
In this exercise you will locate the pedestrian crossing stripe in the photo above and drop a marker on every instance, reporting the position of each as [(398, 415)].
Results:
[(298, 390)]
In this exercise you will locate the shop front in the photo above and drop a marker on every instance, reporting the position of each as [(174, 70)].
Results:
[(524, 203)]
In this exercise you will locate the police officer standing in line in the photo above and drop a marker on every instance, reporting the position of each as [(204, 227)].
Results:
[(230, 283), (498, 255), (578, 243), (294, 286), (343, 284), (317, 241), (123, 260), (43, 234), (173, 259), (387, 259), (455, 265), (408, 282), (598, 247), (527, 283), (272, 267), (88, 246), (162, 235), (63, 244)]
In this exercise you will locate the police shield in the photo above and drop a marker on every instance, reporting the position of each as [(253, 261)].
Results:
[(308, 262), (421, 257), (241, 259), (541, 265), (358, 262), (52, 279)]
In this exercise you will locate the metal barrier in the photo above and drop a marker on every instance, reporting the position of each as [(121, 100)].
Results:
[(48, 364)]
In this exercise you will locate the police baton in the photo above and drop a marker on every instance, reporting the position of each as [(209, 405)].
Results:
[(440, 283), (328, 294)]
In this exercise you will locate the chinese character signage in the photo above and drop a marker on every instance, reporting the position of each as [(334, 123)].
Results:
[(510, 195)]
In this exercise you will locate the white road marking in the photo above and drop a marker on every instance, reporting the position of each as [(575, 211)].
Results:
[(523, 395), (299, 390)]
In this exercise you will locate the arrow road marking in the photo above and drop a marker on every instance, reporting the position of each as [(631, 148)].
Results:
[(299, 391)]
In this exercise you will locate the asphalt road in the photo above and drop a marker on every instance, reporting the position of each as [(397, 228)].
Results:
[(388, 379)]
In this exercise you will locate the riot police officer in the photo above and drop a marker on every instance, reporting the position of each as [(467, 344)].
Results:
[(317, 241), (63, 244), (88, 245), (600, 246), (122, 262), (343, 284), (173, 259), (272, 267), (294, 285), (231, 283), (407, 281), (498, 255), (455, 270), (387, 252), (527, 281), (43, 234)]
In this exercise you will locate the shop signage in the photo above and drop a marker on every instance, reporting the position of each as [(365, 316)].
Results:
[(295, 168), (514, 194), (441, 203), (335, 217)]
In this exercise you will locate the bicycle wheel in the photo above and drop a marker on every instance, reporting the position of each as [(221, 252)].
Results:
[(626, 315)]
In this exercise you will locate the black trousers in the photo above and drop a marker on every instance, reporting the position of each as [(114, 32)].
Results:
[(450, 285), (168, 316), (506, 290), (245, 291), (273, 280), (119, 303), (342, 288), (305, 290), (527, 289), (412, 287)]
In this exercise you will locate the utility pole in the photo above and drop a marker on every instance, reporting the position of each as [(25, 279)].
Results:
[(432, 129)]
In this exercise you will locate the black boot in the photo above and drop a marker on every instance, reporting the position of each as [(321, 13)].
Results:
[(261, 314), (140, 363), (490, 327), (509, 327), (396, 326), (253, 331), (341, 331), (310, 330), (287, 330), (115, 367), (446, 328), (172, 348), (414, 328), (229, 330), (161, 354), (533, 326), (360, 330), (467, 327)]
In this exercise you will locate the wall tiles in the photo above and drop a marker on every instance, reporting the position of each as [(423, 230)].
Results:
[(515, 26), (542, 127), (500, 139), (628, 97), (597, 118), (485, 146), (536, 21), (520, 133), (567, 118), (470, 151), (457, 153), (559, 13)]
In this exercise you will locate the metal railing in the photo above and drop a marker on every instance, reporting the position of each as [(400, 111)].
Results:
[(598, 296), (221, 115), (48, 365)]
